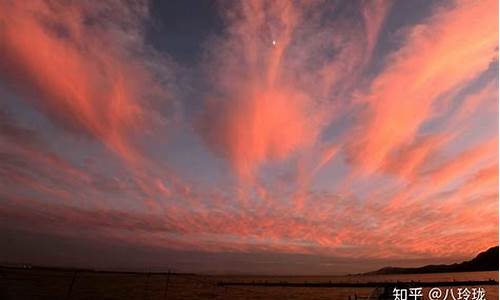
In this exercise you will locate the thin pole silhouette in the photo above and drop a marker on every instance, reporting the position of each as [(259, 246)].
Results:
[(68, 297), (166, 285), (146, 286)]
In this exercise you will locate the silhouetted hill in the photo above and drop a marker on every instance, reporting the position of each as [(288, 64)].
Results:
[(484, 261)]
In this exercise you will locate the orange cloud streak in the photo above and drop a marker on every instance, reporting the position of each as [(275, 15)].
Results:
[(274, 73), (454, 46), (81, 73)]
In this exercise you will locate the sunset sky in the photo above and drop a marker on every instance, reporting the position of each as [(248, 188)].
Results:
[(270, 137)]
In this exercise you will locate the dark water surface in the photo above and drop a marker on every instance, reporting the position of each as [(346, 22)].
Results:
[(47, 284)]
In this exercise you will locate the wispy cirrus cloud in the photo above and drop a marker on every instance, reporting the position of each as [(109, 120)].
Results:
[(274, 71), (83, 64), (339, 155), (452, 47)]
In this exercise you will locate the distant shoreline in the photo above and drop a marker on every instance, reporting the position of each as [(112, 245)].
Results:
[(86, 270), (486, 261), (483, 262)]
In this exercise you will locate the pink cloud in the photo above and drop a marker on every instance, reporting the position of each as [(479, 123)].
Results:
[(270, 102), (453, 46), (82, 74), (274, 74)]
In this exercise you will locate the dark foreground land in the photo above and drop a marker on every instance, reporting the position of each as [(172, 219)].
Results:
[(55, 284), (484, 261)]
